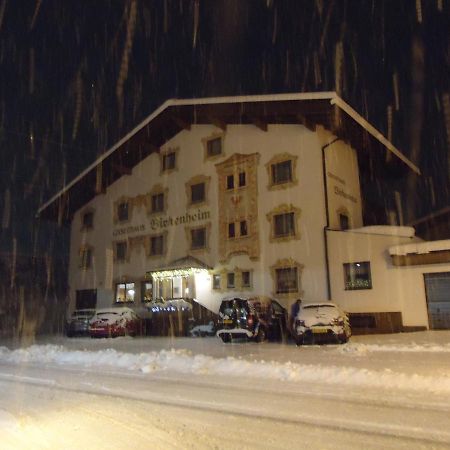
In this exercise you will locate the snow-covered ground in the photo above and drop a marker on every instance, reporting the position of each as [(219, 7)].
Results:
[(381, 390)]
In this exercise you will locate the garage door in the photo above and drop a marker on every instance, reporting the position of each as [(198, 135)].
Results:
[(437, 287)]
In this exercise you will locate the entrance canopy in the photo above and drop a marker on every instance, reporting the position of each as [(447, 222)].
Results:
[(182, 267)]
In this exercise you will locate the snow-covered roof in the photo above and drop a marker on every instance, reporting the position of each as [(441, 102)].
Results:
[(177, 114), (419, 247), (387, 230)]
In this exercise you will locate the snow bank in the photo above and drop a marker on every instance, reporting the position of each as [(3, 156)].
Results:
[(185, 362)]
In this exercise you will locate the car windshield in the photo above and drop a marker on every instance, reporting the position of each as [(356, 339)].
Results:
[(236, 305)]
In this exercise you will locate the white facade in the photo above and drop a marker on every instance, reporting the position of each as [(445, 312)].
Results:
[(304, 195), (245, 207)]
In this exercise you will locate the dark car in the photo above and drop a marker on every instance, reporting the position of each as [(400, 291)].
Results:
[(78, 323), (113, 322), (254, 318)]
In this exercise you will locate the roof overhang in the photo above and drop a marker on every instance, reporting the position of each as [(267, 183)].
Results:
[(308, 109)]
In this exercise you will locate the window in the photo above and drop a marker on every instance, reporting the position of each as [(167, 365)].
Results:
[(243, 228), (198, 238), (214, 147), (168, 161), (146, 291), (85, 258), (246, 281), (158, 202), (242, 179), (282, 172), (157, 245), (122, 211), (230, 280), (198, 193), (216, 281), (357, 276), (230, 181), (231, 230), (88, 220), (286, 280), (125, 292), (121, 251), (284, 224), (343, 221)]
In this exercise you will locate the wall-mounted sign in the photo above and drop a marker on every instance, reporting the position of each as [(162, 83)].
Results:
[(128, 230), (342, 193), (168, 221)]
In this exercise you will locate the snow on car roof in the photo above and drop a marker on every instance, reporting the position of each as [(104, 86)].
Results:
[(317, 304), (113, 310)]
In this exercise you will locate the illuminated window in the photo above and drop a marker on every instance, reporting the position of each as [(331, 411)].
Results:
[(146, 291), (214, 147), (122, 211), (286, 280), (157, 245), (125, 292), (357, 276), (158, 202), (282, 172)]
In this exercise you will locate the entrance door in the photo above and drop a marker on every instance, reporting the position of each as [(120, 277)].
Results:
[(86, 299), (437, 286)]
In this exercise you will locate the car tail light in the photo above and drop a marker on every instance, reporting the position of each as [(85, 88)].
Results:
[(249, 320)]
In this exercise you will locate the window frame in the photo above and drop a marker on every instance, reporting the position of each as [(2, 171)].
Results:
[(127, 286), (349, 273), (153, 239), (276, 161), (117, 245)]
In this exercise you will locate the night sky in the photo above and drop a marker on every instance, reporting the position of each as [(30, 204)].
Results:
[(76, 75)]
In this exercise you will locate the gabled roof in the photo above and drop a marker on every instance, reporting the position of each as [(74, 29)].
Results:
[(308, 109)]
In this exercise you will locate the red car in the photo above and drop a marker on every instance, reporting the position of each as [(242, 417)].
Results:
[(113, 322)]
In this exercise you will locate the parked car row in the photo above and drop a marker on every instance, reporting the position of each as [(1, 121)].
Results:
[(106, 322), (261, 318), (257, 318)]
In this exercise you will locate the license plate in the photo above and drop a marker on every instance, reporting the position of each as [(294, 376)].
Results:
[(227, 321), (319, 330)]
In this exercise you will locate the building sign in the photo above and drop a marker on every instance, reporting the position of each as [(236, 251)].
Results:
[(160, 223), (342, 193), (128, 230)]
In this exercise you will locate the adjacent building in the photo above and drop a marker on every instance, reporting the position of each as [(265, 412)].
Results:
[(217, 197)]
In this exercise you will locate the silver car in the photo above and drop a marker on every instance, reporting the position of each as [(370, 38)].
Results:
[(78, 323), (320, 322)]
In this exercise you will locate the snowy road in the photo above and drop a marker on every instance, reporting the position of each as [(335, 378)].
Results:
[(203, 394)]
